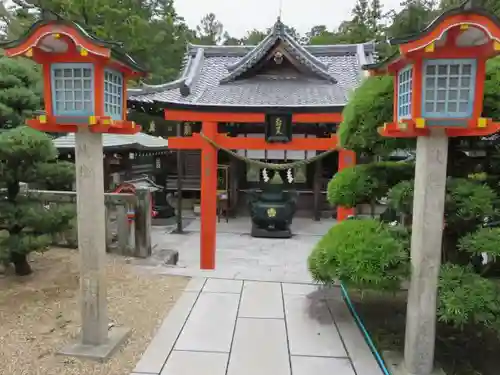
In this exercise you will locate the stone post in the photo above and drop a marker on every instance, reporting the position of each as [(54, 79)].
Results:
[(109, 232), (131, 232), (94, 340), (426, 240), (143, 224), (123, 229)]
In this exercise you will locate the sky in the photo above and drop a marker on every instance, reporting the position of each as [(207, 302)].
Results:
[(238, 16)]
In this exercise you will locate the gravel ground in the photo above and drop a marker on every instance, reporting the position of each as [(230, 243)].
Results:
[(39, 314)]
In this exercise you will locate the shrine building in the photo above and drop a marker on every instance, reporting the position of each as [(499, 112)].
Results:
[(233, 93)]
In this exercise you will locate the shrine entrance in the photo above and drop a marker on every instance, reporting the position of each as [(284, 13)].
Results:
[(276, 96), (278, 136)]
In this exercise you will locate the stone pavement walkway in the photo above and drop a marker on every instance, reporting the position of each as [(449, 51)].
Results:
[(238, 327), (240, 256)]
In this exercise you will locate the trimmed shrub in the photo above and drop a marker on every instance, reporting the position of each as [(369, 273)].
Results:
[(390, 173), (467, 203), (370, 106), (350, 186), (400, 197), (464, 297), (365, 183), (365, 254), (484, 240)]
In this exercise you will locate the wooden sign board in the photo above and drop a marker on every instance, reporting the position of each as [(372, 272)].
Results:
[(278, 128), (222, 178)]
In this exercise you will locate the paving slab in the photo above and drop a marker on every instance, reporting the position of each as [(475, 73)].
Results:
[(211, 323), (302, 329), (299, 289), (158, 350), (311, 330), (360, 354), (240, 256), (196, 284), (261, 300), (223, 286), (195, 363), (260, 347), (302, 365)]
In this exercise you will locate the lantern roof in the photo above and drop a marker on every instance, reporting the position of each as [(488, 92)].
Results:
[(39, 34), (468, 7), (484, 27)]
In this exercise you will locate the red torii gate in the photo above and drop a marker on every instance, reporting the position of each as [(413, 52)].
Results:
[(209, 121)]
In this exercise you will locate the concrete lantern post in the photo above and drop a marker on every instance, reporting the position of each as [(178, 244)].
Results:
[(439, 78), (85, 93)]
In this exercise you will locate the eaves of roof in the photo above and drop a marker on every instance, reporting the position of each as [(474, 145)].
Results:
[(467, 7), (116, 48)]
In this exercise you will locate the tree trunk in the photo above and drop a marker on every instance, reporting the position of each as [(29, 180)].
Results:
[(450, 251), (20, 261), (455, 166), (372, 208)]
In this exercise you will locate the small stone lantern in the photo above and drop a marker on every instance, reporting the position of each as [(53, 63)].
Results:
[(84, 78), (84, 81), (439, 77)]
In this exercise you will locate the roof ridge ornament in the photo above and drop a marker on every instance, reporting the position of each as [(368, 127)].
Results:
[(279, 27), (299, 52)]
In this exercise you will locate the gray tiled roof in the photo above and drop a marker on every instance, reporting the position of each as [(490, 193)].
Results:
[(139, 141), (214, 76)]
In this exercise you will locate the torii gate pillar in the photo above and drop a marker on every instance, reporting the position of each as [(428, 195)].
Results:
[(210, 122)]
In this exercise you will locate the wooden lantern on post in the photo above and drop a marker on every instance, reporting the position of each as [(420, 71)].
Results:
[(84, 92), (439, 76), (85, 78), (438, 93)]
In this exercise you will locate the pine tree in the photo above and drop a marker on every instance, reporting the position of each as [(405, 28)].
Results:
[(26, 156), (210, 31), (231, 40), (254, 37), (26, 224), (358, 29), (20, 91), (415, 16), (375, 17)]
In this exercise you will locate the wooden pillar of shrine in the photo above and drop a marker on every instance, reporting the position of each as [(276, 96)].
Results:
[(180, 176), (233, 186), (208, 198), (347, 159), (317, 190)]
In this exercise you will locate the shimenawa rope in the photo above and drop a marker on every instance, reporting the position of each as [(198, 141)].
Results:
[(273, 166)]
